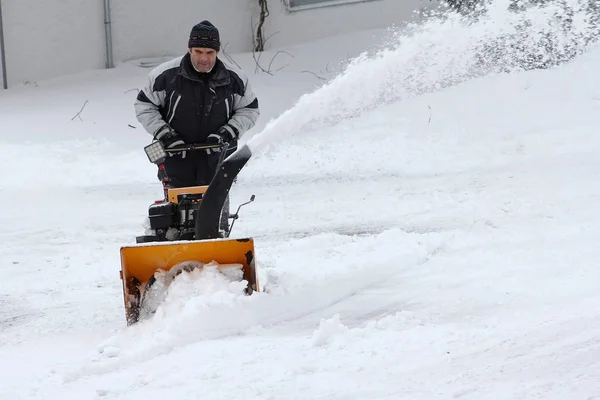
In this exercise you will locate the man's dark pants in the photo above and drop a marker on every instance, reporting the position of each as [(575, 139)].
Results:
[(196, 169)]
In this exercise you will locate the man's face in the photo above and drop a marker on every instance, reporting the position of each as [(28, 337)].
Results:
[(203, 58)]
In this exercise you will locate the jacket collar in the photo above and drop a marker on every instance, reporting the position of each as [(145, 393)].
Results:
[(219, 76)]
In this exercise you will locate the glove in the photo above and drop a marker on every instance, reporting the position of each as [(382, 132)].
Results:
[(170, 139), (214, 138), (222, 135)]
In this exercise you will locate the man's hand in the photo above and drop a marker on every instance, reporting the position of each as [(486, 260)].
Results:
[(170, 139), (222, 135), (214, 138)]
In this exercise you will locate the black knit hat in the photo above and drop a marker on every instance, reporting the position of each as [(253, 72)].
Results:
[(205, 34)]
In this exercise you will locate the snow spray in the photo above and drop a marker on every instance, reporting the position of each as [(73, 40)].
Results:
[(448, 48)]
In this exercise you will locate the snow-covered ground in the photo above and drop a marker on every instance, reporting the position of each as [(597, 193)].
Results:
[(414, 239)]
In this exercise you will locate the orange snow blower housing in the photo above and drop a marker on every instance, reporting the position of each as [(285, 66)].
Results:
[(186, 230)]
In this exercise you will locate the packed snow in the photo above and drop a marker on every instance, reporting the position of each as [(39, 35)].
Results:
[(425, 227)]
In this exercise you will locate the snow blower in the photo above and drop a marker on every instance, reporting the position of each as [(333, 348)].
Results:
[(186, 232)]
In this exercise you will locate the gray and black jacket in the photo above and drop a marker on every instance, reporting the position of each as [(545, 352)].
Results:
[(195, 104)]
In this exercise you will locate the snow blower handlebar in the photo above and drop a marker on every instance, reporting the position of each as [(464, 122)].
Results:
[(157, 154)]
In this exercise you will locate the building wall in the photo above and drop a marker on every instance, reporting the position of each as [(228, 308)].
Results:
[(50, 38), (140, 30), (293, 27)]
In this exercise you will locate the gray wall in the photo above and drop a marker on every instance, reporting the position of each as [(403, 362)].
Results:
[(295, 27), (50, 38)]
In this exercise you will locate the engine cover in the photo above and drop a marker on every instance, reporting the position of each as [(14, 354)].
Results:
[(162, 215)]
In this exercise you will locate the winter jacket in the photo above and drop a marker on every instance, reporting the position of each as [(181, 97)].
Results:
[(195, 104)]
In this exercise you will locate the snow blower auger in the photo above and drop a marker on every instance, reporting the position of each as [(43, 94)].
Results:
[(186, 233)]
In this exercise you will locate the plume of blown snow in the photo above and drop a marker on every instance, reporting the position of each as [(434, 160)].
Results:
[(447, 49)]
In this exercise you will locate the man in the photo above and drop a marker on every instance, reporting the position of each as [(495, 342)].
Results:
[(196, 98)]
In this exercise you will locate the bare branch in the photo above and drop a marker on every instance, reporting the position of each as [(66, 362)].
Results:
[(276, 54), (256, 61), (259, 40), (228, 56), (312, 73), (270, 36), (259, 43), (78, 114), (258, 66)]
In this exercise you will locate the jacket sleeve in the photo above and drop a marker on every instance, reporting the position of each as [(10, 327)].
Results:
[(245, 110), (152, 98)]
